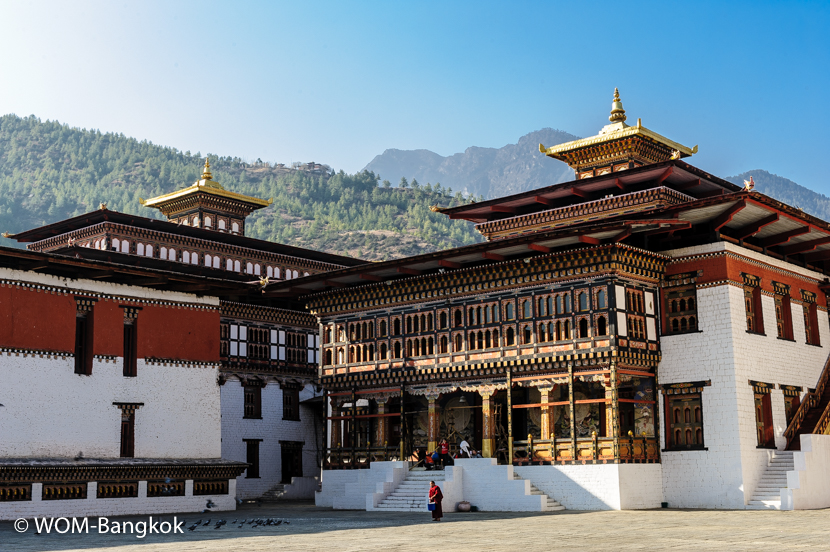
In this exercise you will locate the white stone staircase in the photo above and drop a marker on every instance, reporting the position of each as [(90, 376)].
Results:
[(767, 495), (413, 492), (550, 504)]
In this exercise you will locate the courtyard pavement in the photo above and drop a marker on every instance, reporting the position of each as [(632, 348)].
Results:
[(312, 528)]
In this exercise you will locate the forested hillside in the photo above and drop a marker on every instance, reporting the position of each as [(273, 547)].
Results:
[(50, 171)]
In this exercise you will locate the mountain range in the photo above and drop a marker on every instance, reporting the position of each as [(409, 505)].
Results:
[(514, 168), (49, 172), (488, 172)]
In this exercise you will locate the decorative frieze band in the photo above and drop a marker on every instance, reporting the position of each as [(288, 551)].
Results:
[(543, 269), (790, 390), (52, 355), (761, 387), (153, 361), (243, 311), (96, 296), (684, 388)]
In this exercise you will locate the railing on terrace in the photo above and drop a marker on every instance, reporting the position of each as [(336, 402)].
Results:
[(347, 458), (811, 400), (586, 450)]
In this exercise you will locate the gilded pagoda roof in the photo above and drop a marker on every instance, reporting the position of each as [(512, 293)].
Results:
[(617, 141), (205, 185)]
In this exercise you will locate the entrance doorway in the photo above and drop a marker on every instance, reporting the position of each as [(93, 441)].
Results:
[(763, 420), (292, 460)]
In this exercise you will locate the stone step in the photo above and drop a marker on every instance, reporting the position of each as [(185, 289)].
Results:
[(764, 505)]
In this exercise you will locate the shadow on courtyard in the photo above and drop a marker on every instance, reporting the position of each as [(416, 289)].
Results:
[(302, 516)]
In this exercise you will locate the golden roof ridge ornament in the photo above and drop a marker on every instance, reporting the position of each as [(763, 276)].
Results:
[(617, 111), (206, 171), (617, 147)]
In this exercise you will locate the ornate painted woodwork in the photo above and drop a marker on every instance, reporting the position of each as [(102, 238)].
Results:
[(617, 147)]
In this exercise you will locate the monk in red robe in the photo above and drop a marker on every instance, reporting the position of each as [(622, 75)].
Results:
[(435, 496)]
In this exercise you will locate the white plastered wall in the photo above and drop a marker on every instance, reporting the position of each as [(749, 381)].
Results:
[(271, 429), (51, 412), (725, 475)]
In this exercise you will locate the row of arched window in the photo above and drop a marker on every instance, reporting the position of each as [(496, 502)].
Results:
[(683, 324), (682, 304), (192, 257), (634, 301), (636, 327), (559, 330), (221, 224)]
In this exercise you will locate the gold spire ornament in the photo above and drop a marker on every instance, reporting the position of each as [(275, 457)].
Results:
[(616, 147), (749, 185), (617, 111), (206, 171)]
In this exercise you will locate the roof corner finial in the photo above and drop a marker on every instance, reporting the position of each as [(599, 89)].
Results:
[(617, 111), (206, 171)]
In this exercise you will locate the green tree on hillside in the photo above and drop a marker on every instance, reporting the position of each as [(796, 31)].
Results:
[(50, 172)]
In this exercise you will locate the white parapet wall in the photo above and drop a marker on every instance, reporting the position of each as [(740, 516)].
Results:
[(357, 489), (491, 487), (808, 485), (300, 488), (599, 486)]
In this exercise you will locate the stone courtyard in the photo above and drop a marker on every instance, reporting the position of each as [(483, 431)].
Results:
[(313, 528)]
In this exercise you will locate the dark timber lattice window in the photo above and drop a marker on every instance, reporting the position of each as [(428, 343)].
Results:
[(752, 304), (128, 428), (253, 401), (291, 403), (681, 304), (764, 429), (783, 311), (84, 336), (130, 342), (684, 415), (810, 317), (252, 458)]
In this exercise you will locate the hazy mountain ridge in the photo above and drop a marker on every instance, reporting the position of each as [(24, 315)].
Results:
[(787, 191), (514, 168), (488, 172)]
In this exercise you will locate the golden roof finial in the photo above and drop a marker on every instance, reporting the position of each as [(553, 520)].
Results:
[(617, 111), (206, 171)]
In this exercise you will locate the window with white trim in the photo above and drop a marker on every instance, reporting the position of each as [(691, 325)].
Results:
[(239, 340), (313, 348)]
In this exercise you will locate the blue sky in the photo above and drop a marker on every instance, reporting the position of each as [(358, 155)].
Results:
[(338, 82)]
